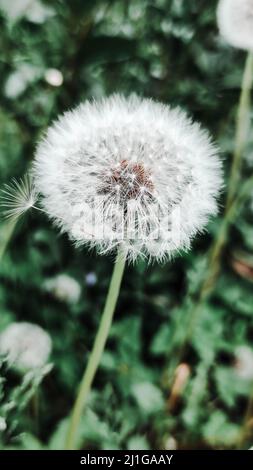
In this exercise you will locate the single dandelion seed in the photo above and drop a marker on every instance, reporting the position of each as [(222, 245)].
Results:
[(17, 197), (235, 21)]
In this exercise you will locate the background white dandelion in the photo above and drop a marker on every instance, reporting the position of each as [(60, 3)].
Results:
[(25, 345), (3, 424), (235, 21), (64, 288)]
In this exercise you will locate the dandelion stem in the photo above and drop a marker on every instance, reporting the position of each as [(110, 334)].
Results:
[(242, 128), (97, 350), (241, 135), (35, 410), (234, 197), (5, 235)]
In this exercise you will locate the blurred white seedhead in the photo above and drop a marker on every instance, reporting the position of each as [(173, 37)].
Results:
[(54, 77), (244, 362), (128, 172), (64, 288), (3, 424), (26, 346), (235, 21)]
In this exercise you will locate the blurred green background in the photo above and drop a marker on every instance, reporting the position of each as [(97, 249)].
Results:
[(54, 55)]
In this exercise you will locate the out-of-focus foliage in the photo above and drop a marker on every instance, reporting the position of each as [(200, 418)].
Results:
[(54, 55)]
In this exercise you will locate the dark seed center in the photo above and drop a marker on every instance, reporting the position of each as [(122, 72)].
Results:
[(127, 180)]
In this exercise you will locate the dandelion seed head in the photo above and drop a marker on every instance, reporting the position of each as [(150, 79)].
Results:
[(235, 21), (128, 172), (27, 346), (64, 288)]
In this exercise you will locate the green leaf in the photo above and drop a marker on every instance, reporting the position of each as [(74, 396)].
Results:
[(219, 431)]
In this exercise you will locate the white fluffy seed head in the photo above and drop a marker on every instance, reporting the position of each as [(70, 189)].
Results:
[(128, 172), (235, 21), (26, 346), (64, 288)]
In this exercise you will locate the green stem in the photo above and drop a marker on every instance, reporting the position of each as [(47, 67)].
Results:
[(5, 235), (242, 128), (35, 411), (233, 199), (97, 350)]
